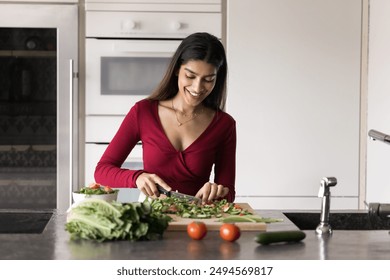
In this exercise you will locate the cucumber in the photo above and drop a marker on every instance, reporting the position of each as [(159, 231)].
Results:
[(269, 237)]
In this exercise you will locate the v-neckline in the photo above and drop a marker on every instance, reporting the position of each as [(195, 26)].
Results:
[(166, 136)]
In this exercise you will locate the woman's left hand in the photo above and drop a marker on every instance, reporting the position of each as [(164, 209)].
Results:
[(212, 191)]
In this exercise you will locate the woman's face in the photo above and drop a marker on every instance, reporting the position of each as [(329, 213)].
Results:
[(196, 80)]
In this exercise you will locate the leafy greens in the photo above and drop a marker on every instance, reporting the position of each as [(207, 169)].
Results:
[(99, 220)]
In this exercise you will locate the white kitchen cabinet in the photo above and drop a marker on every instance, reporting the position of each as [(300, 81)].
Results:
[(41, 1), (294, 90), (378, 153)]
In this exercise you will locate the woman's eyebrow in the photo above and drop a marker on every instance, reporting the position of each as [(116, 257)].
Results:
[(192, 72)]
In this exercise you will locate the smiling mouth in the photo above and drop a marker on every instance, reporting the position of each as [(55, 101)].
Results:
[(193, 93)]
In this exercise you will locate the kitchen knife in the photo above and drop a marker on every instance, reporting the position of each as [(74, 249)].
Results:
[(178, 195)]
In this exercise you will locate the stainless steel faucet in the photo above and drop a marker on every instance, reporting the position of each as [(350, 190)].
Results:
[(324, 192), (376, 209), (381, 210), (380, 136)]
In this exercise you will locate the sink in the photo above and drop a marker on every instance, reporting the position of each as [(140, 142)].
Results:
[(339, 221), (23, 222)]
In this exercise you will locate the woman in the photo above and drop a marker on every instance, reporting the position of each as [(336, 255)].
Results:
[(183, 129)]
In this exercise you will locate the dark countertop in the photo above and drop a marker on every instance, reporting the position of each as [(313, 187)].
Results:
[(54, 243)]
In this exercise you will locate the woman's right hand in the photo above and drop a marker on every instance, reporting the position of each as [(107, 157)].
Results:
[(146, 183)]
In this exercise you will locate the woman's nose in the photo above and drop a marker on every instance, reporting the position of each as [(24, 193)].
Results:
[(197, 86)]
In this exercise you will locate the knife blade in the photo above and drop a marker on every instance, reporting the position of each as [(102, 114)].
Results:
[(178, 194)]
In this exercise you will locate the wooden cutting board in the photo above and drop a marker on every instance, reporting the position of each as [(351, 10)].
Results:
[(180, 224)]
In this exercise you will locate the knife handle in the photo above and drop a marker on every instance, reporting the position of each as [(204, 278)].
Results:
[(162, 190)]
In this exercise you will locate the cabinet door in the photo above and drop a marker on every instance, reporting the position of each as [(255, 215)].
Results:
[(378, 153), (294, 90)]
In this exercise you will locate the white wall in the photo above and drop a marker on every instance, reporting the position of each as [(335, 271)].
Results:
[(378, 153), (294, 90)]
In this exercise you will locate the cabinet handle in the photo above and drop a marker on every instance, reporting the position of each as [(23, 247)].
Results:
[(72, 75)]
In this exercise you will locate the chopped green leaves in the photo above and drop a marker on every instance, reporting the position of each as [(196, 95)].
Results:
[(189, 209), (225, 211)]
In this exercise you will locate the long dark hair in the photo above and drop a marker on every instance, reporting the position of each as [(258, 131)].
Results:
[(198, 46)]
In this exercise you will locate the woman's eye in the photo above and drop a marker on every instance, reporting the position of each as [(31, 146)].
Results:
[(207, 80)]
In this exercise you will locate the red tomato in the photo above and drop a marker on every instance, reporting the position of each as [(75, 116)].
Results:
[(237, 207), (196, 230), (229, 232), (108, 189), (94, 186), (172, 209)]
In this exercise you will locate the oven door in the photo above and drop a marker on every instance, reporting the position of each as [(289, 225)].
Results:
[(122, 72)]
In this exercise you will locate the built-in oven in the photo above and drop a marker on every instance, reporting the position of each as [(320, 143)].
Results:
[(128, 48), (121, 72)]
